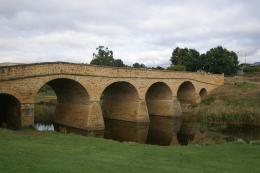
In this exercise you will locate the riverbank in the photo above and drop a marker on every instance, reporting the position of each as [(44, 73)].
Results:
[(235, 103), (32, 151)]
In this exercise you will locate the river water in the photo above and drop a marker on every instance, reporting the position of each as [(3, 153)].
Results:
[(163, 131)]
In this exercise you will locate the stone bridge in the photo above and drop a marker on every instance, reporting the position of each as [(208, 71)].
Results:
[(87, 94)]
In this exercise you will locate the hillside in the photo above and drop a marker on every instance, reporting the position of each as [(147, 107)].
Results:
[(237, 102)]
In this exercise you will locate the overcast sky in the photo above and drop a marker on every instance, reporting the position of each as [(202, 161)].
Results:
[(144, 31)]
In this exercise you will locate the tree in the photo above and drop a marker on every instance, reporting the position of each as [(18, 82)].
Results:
[(216, 60), (220, 60), (159, 68), (186, 57), (104, 56), (178, 56), (192, 62), (119, 63), (137, 65)]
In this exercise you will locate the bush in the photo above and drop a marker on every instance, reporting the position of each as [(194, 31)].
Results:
[(177, 68), (208, 100), (246, 85), (249, 69), (257, 68), (227, 119)]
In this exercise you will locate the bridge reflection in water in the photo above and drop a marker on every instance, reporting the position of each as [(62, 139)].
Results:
[(160, 131)]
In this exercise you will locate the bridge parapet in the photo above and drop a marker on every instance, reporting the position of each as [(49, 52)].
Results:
[(56, 68)]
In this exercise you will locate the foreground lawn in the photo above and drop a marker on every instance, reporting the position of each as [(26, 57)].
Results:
[(30, 151)]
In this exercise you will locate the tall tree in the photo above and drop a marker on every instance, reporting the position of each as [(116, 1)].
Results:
[(104, 56), (119, 63), (137, 65), (216, 60), (220, 60), (187, 57)]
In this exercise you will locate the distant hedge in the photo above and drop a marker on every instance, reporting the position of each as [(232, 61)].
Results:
[(249, 69), (177, 68)]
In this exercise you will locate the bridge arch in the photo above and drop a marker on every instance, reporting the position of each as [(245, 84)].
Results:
[(186, 93), (203, 93), (119, 100), (72, 106), (159, 99), (10, 111)]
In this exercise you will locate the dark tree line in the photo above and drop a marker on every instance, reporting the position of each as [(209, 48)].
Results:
[(216, 60)]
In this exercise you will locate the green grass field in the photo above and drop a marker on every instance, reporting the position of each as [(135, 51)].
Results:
[(31, 151)]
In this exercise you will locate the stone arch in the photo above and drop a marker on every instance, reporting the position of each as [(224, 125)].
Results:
[(203, 93), (159, 99), (119, 100), (10, 111), (186, 93), (73, 103)]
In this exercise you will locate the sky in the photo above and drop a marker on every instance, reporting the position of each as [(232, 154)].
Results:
[(144, 31)]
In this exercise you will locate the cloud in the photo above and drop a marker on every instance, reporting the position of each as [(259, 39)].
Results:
[(137, 31)]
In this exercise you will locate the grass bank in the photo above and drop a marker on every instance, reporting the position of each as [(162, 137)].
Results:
[(235, 103), (30, 151)]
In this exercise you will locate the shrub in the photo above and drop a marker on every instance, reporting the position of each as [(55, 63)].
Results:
[(177, 68), (238, 119), (249, 69), (246, 85), (208, 100), (257, 68)]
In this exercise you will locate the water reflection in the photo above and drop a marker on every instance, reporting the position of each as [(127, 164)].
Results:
[(189, 129), (246, 133), (162, 131), (126, 131)]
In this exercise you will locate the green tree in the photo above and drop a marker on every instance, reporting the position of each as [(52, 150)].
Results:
[(119, 63), (186, 57), (178, 56), (137, 65), (158, 68), (220, 60), (104, 56), (192, 62)]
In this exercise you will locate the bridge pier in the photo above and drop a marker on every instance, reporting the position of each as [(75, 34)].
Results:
[(95, 119), (176, 107), (128, 110), (166, 108), (27, 114), (72, 115), (81, 116), (142, 112)]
